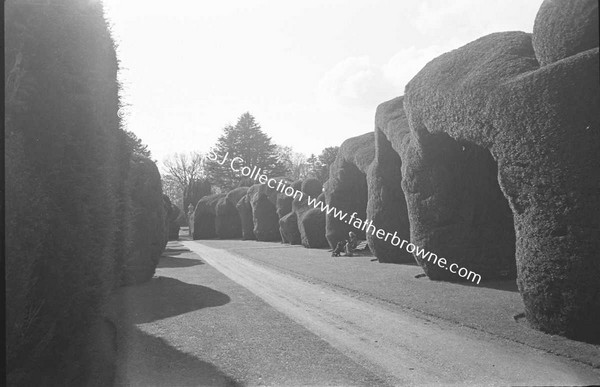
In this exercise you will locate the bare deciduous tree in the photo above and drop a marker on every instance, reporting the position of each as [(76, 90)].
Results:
[(184, 167), (184, 173), (295, 162)]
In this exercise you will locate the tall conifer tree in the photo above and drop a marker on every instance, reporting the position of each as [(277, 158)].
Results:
[(247, 141)]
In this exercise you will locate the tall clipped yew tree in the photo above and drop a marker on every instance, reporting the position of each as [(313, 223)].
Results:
[(68, 216)]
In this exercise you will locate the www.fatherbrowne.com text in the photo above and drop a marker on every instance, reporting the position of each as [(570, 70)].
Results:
[(237, 165)]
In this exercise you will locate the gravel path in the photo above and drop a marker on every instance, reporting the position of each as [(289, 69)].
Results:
[(490, 307), (393, 343), (192, 326), (232, 313)]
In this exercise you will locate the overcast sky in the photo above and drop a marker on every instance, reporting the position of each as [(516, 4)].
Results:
[(312, 72)]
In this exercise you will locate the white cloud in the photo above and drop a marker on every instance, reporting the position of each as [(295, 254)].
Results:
[(358, 82), (355, 82)]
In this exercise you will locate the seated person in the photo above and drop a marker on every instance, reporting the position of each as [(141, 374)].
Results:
[(351, 244), (339, 248)]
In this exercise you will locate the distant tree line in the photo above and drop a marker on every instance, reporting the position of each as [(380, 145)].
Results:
[(189, 177), (85, 211)]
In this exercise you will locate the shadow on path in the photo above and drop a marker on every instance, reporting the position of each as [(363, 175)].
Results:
[(164, 297), (169, 261), (146, 360), (170, 253)]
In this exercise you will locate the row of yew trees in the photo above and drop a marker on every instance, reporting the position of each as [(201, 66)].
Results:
[(85, 213)]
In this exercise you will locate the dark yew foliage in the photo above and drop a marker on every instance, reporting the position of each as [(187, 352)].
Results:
[(68, 217), (173, 216), (136, 145), (148, 222), (195, 190), (506, 130)]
